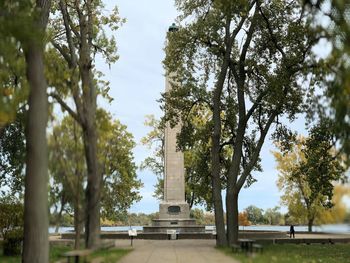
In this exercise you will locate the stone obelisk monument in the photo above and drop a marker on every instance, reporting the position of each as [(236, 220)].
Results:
[(174, 212)]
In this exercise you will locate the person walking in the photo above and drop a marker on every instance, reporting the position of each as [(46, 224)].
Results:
[(291, 232)]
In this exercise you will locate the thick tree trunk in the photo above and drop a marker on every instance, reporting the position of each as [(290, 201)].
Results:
[(219, 213), (36, 221), (92, 224), (215, 160), (232, 216)]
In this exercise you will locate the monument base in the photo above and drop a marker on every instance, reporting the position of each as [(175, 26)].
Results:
[(174, 216), (179, 229), (174, 210)]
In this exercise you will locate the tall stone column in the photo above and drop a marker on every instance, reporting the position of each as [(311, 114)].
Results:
[(174, 212), (174, 205), (174, 179)]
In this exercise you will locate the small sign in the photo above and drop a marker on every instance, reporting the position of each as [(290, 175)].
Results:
[(132, 233), (171, 231)]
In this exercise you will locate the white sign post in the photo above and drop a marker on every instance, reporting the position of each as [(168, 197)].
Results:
[(132, 234)]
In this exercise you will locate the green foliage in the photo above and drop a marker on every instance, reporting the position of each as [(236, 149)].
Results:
[(11, 215), (308, 172), (333, 16), (290, 253), (347, 217), (273, 216), (68, 170), (120, 183), (139, 219), (11, 225), (14, 26), (13, 242), (255, 215), (12, 156), (56, 252), (198, 214), (65, 220), (249, 63), (155, 140), (65, 48)]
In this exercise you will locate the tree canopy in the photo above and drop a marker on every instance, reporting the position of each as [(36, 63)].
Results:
[(249, 63), (308, 172)]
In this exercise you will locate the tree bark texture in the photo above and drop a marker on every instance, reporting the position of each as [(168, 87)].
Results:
[(35, 247), (215, 157), (36, 221), (232, 216), (92, 224)]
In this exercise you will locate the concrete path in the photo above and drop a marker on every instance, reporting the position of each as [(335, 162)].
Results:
[(171, 251)]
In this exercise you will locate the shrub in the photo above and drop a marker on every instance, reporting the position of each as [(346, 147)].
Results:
[(11, 215), (11, 225), (13, 242)]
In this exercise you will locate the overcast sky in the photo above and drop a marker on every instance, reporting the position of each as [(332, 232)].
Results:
[(137, 80)]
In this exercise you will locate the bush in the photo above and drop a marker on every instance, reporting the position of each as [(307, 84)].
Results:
[(13, 241), (11, 215)]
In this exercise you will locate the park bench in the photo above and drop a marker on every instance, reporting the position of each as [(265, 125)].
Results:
[(246, 244)]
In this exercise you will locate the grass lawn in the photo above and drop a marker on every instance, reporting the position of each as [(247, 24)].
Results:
[(56, 251), (294, 253)]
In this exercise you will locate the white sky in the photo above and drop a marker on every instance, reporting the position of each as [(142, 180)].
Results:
[(137, 80)]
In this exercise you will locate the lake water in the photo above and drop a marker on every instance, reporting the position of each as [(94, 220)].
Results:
[(339, 228)]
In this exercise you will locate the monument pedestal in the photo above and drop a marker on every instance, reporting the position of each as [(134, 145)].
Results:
[(174, 216)]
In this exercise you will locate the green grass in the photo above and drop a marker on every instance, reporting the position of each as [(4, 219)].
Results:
[(294, 253), (56, 252)]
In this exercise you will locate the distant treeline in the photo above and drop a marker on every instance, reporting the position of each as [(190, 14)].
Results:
[(251, 215)]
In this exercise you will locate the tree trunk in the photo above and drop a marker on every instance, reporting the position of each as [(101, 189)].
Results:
[(232, 216), (59, 217), (310, 224), (92, 224), (77, 225), (215, 160), (36, 221), (89, 93), (219, 213)]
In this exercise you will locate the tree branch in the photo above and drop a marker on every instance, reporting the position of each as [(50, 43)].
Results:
[(66, 107), (64, 54), (66, 19), (256, 153)]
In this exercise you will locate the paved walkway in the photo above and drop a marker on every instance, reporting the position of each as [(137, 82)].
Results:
[(169, 251)]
